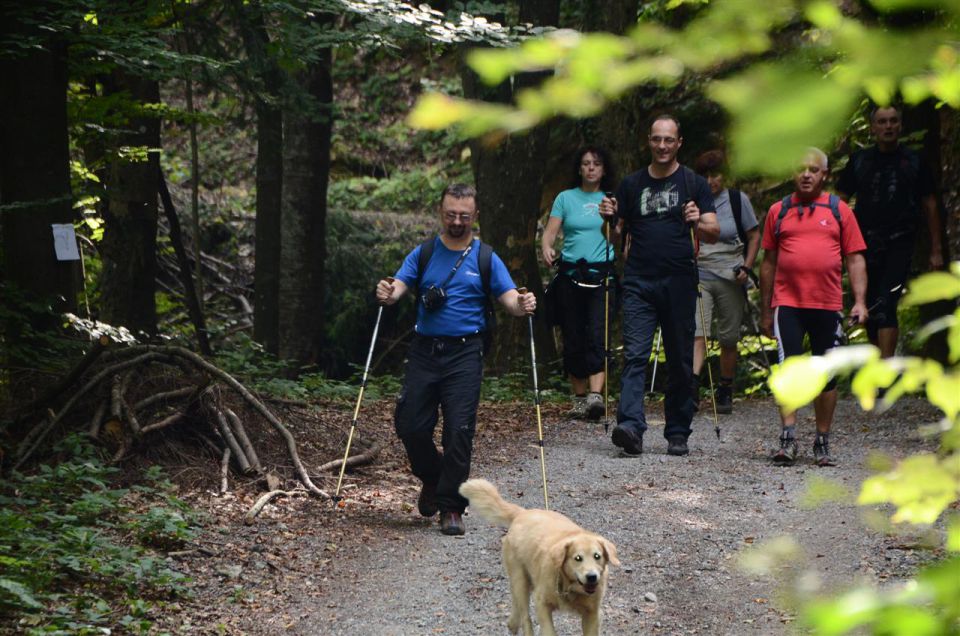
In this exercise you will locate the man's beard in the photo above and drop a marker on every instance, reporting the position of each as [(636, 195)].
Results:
[(456, 231)]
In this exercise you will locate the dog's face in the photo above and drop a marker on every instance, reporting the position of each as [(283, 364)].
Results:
[(583, 560)]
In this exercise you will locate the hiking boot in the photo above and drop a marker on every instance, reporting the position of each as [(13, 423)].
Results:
[(677, 445), (594, 406), (787, 454), (821, 452), (451, 523), (724, 399), (579, 410), (627, 440), (426, 503)]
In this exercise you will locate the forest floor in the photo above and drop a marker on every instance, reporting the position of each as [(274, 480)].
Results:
[(680, 524)]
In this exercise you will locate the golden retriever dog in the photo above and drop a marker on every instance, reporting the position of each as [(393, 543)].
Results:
[(548, 556)]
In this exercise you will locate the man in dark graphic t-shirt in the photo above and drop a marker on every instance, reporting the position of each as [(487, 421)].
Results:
[(658, 206), (894, 191)]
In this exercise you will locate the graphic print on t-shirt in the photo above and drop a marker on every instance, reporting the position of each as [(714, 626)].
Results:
[(590, 209), (659, 202), (884, 182)]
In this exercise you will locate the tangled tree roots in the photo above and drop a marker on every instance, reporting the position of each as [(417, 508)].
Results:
[(112, 388)]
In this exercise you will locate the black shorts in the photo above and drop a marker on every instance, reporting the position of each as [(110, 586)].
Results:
[(582, 326), (822, 326)]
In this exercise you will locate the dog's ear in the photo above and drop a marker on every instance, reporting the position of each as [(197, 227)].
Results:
[(610, 551), (558, 553)]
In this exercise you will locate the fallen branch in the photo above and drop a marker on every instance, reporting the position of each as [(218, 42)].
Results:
[(230, 440), (241, 434), (26, 451), (265, 499), (89, 358), (224, 471), (364, 458), (164, 423), (166, 395), (257, 404)]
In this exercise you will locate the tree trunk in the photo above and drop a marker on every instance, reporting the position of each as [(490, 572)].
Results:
[(617, 126), (266, 277), (306, 169), (509, 180), (34, 170), (130, 218)]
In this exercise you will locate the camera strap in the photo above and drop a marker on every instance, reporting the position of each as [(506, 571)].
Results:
[(457, 265)]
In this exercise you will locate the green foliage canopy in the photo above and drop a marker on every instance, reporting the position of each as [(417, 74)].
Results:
[(781, 100)]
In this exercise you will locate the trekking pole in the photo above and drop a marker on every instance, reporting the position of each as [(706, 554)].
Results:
[(656, 358), (356, 410), (536, 400), (703, 326), (753, 318), (606, 336)]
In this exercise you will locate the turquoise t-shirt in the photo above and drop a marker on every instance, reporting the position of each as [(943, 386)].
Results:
[(582, 226)]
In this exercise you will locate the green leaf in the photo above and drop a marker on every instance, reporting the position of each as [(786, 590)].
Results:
[(953, 337), (901, 5), (932, 287), (944, 393), (953, 534), (22, 594), (770, 133), (921, 487), (798, 381), (874, 375)]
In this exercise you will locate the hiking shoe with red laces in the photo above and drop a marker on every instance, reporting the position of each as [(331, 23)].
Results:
[(787, 454), (821, 452)]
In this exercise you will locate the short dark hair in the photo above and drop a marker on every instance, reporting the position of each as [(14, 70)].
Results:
[(609, 180), (459, 191), (873, 111), (666, 117), (710, 162)]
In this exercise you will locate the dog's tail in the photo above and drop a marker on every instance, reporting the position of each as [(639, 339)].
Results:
[(487, 502)]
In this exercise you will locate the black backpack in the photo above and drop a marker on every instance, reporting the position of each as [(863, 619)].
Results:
[(736, 207), (785, 206), (484, 259)]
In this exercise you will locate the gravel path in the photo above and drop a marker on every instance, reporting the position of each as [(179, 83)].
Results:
[(679, 524)]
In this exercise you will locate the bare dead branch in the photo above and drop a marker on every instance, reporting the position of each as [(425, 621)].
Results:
[(25, 451), (241, 434), (166, 395), (224, 471), (265, 499), (229, 439), (164, 423), (257, 404), (366, 457)]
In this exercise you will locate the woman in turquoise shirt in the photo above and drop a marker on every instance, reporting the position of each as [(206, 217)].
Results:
[(584, 261)]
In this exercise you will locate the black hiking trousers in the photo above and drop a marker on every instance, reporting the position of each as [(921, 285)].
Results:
[(441, 372)]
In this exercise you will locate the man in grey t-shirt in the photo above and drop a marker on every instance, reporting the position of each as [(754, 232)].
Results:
[(723, 277)]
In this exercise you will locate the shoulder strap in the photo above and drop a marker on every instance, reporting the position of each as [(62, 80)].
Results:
[(835, 210), (736, 207), (426, 253), (784, 208), (690, 181), (834, 205), (484, 260)]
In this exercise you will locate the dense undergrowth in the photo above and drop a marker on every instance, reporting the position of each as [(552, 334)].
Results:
[(78, 555)]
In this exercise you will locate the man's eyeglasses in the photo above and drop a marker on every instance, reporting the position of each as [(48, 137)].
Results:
[(452, 216), (667, 140)]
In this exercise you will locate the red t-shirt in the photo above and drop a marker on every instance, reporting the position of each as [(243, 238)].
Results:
[(810, 251)]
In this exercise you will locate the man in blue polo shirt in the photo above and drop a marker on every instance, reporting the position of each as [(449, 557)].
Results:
[(445, 360)]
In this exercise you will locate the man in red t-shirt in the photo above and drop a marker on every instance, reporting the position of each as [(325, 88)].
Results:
[(800, 283)]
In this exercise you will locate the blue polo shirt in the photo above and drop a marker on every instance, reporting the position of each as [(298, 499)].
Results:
[(463, 312)]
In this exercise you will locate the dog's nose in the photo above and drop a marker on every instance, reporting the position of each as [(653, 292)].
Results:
[(592, 578)]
